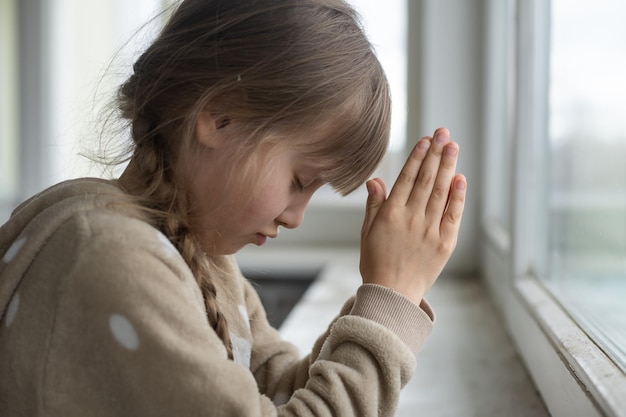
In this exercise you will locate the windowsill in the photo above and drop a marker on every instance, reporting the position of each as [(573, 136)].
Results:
[(468, 357), (588, 364), (573, 375)]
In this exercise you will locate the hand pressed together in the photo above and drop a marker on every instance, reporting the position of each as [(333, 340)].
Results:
[(408, 237)]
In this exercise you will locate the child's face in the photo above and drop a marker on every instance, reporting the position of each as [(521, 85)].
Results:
[(251, 207)]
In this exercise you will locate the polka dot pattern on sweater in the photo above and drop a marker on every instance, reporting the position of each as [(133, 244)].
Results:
[(124, 332), (280, 398), (242, 350), (244, 313), (167, 245), (12, 310), (13, 250)]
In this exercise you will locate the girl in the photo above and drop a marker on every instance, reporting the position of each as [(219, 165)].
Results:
[(122, 298)]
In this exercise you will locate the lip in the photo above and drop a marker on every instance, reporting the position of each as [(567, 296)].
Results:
[(260, 239)]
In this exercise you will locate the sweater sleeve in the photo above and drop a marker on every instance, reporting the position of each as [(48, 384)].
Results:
[(358, 366), (411, 323)]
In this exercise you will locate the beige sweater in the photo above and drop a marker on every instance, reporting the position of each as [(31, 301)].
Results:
[(100, 316)]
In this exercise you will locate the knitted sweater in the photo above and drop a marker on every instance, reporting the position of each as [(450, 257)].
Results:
[(101, 316)]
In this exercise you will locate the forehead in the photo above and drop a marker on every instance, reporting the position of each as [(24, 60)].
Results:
[(287, 154), (310, 146)]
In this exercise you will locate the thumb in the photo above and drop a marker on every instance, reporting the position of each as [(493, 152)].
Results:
[(375, 199)]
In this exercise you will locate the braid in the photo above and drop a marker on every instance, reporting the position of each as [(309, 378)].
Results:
[(158, 194), (199, 264)]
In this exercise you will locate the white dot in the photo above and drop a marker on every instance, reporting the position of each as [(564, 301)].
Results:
[(169, 247), (242, 350), (123, 331), (12, 309), (13, 250), (244, 313), (280, 398)]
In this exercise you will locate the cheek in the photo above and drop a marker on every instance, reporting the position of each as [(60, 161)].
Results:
[(266, 203)]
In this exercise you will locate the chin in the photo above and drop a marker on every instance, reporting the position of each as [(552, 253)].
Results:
[(215, 247), (228, 250)]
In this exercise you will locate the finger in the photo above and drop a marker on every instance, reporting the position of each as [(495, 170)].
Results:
[(405, 182), (423, 186), (440, 193), (376, 191), (451, 221), (383, 186)]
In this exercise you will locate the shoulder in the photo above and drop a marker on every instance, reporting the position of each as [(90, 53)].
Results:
[(37, 219), (86, 223), (120, 262), (71, 192), (86, 212), (117, 244), (89, 231), (91, 216)]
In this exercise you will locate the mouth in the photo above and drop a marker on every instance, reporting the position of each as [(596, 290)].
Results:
[(261, 238)]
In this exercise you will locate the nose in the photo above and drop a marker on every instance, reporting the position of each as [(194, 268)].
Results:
[(293, 215)]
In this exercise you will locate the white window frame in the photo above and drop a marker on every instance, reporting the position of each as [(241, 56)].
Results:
[(8, 103), (574, 376)]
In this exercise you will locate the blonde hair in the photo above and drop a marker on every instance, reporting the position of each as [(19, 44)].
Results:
[(273, 66)]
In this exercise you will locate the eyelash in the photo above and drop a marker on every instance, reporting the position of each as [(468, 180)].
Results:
[(297, 184)]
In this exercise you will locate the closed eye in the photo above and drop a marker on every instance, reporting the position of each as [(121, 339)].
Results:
[(297, 184)]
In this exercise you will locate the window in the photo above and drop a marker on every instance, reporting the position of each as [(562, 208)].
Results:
[(53, 55), (8, 105), (500, 41), (587, 175), (390, 44), (561, 283), (92, 46)]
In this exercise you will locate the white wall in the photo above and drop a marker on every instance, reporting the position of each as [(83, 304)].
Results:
[(445, 89)]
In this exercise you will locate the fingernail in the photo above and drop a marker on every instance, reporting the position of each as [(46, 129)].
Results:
[(423, 144), (460, 185), (370, 188), (441, 137), (450, 151)]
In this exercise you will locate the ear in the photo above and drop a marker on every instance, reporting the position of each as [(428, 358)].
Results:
[(210, 129)]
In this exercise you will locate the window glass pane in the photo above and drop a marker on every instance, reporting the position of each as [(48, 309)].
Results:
[(587, 139), (8, 103), (508, 119), (500, 109), (93, 44), (385, 24)]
